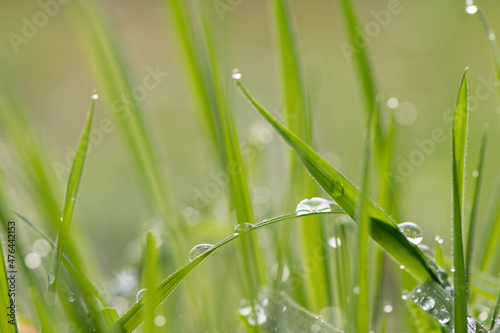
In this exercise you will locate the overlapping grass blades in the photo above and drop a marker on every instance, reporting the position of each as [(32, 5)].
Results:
[(382, 229), (458, 180), (136, 315), (298, 118)]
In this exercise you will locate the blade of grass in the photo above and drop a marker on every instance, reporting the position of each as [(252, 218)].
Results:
[(299, 121), (495, 313), (491, 235), (362, 269), (135, 315), (475, 203), (74, 180), (149, 276), (495, 50), (357, 49), (382, 229), (458, 177)]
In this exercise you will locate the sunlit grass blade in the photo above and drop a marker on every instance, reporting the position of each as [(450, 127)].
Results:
[(478, 174), (73, 184), (458, 178), (362, 269), (110, 316), (356, 48), (382, 229), (135, 316), (491, 234), (299, 121)]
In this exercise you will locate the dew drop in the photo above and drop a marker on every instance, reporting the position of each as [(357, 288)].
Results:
[(442, 275), (32, 260), (94, 96), (427, 303), (470, 8), (443, 316), (315, 328), (412, 232), (284, 308), (242, 228), (491, 36), (388, 308), (402, 267), (334, 242), (140, 295), (438, 239), (483, 316), (71, 297), (320, 318), (471, 325), (404, 294), (452, 269), (392, 103), (254, 316), (356, 290), (475, 173), (51, 277), (236, 74), (198, 250), (316, 205)]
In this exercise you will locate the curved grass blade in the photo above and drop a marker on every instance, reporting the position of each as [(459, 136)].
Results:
[(298, 118), (135, 316), (284, 315), (74, 179), (382, 229), (475, 203), (458, 177), (495, 313)]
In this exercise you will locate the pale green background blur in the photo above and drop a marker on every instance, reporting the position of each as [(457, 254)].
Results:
[(418, 57)]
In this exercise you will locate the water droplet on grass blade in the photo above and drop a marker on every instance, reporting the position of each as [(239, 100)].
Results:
[(471, 325), (412, 232), (236, 74), (427, 303), (315, 328), (198, 250), (388, 308), (316, 205), (71, 297), (140, 295), (254, 316), (443, 316), (94, 96), (470, 7), (242, 228)]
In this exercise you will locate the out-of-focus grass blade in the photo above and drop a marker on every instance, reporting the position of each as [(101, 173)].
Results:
[(362, 269), (74, 179), (357, 49), (135, 315), (149, 276), (382, 229), (107, 60), (495, 50), (458, 178), (495, 313), (110, 316), (475, 203), (299, 121), (437, 303), (491, 235), (284, 315)]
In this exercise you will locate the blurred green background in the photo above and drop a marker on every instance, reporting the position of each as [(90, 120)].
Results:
[(418, 57)]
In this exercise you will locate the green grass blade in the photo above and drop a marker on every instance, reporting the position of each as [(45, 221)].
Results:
[(458, 176), (135, 316), (110, 316), (74, 179), (357, 48), (299, 121), (495, 50), (475, 203), (149, 276), (362, 269), (382, 229), (491, 235), (437, 303), (494, 317)]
